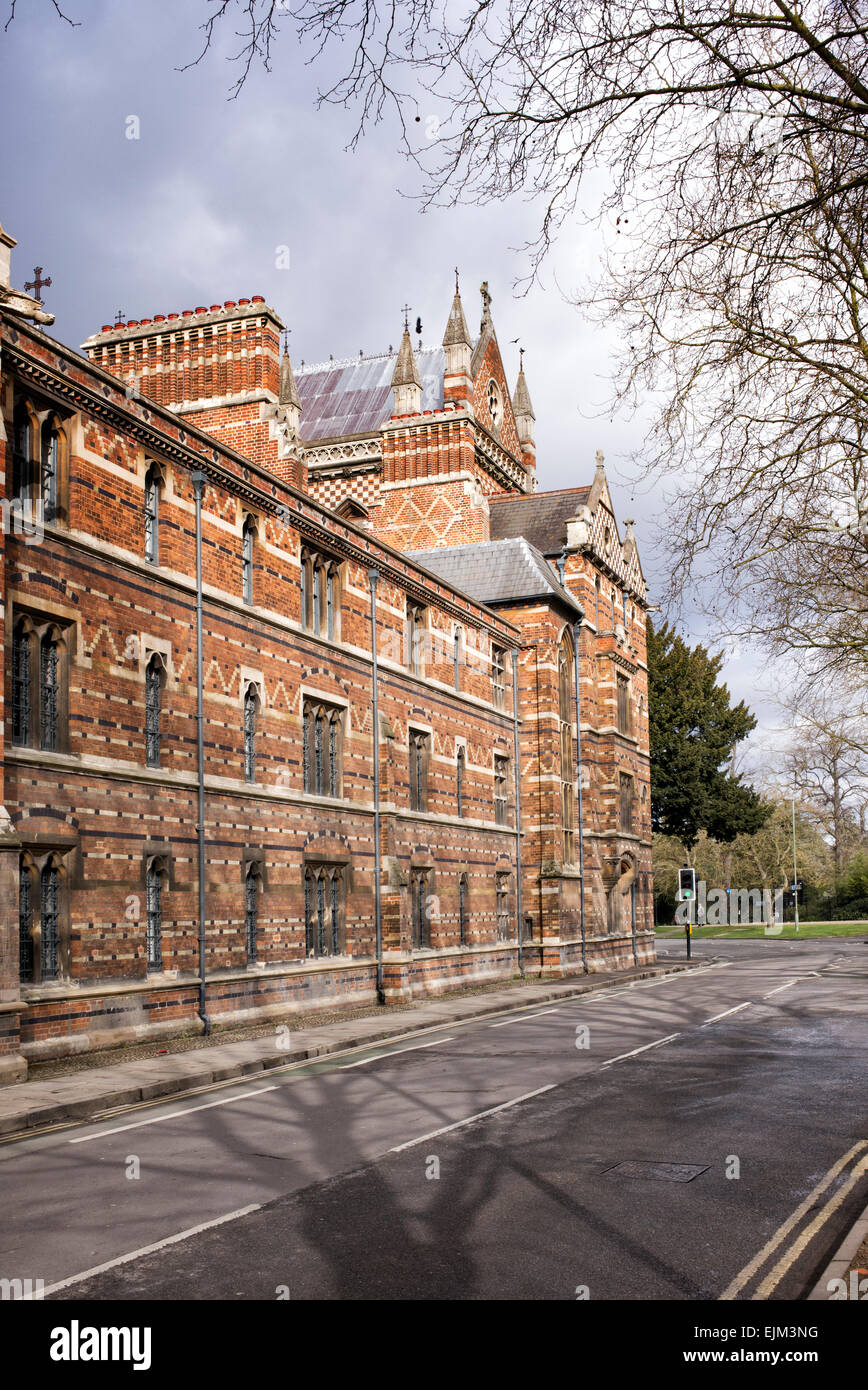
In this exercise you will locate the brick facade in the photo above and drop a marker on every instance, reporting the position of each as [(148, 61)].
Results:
[(99, 851)]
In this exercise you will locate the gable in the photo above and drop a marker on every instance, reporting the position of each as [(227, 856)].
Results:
[(487, 366)]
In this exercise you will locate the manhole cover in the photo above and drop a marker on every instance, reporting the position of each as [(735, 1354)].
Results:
[(661, 1172)]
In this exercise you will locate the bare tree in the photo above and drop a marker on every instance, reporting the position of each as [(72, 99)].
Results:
[(734, 141), (827, 767)]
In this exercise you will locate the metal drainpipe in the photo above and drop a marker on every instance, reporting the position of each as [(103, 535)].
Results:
[(518, 902), (373, 576), (199, 481), (577, 627)]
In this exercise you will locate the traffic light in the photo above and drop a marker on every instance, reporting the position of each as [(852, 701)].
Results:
[(686, 885)]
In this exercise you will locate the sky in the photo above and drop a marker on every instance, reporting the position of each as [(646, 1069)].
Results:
[(199, 206)]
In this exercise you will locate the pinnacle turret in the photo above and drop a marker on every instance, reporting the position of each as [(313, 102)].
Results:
[(288, 389), (406, 381)]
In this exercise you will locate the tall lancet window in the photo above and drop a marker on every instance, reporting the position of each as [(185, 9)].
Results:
[(50, 885), (50, 470), (22, 684), (247, 559), (25, 921), (250, 705), (49, 667), (154, 906), (153, 709), (460, 769), (252, 882), (152, 515)]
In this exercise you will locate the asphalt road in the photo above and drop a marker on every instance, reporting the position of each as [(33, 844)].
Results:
[(703, 1135)]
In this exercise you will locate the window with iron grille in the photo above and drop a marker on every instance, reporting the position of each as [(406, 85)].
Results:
[(320, 594), (460, 771), (419, 749), (50, 893), (251, 702), (501, 890), (501, 781), (252, 889), (462, 909), (25, 921), (153, 703), (626, 784), (498, 665), (154, 914), (323, 909), (419, 903), (49, 667), (623, 704), (322, 732), (21, 684), (247, 536), (152, 515), (416, 629)]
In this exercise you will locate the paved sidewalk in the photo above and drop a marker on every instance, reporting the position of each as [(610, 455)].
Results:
[(32, 1105)]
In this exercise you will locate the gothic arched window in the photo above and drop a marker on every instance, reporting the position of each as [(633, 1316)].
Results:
[(252, 889), (251, 702), (50, 469), (153, 703), (460, 770), (49, 690), (154, 913), (22, 683), (247, 537), (323, 909), (456, 658), (322, 735), (152, 514), (462, 909), (25, 919), (22, 453), (50, 918)]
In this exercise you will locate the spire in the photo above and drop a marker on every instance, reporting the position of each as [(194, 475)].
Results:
[(406, 381), (521, 397), (456, 334), (288, 389), (406, 372)]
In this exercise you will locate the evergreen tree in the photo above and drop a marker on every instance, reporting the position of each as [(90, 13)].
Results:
[(694, 732)]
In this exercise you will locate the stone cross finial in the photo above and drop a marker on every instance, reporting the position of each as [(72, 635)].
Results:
[(37, 284), (598, 458), (486, 298)]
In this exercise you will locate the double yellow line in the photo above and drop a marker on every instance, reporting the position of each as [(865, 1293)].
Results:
[(858, 1157)]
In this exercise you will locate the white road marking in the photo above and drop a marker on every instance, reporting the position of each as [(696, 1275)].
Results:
[(508, 1021), (173, 1115), (726, 1013), (783, 1231), (624, 1055), (382, 1056), (150, 1249), (447, 1129), (788, 985)]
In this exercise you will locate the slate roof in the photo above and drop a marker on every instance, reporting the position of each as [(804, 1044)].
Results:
[(541, 517), (355, 396), (495, 572)]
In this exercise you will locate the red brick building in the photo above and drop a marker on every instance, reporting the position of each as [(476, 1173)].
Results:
[(289, 674)]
